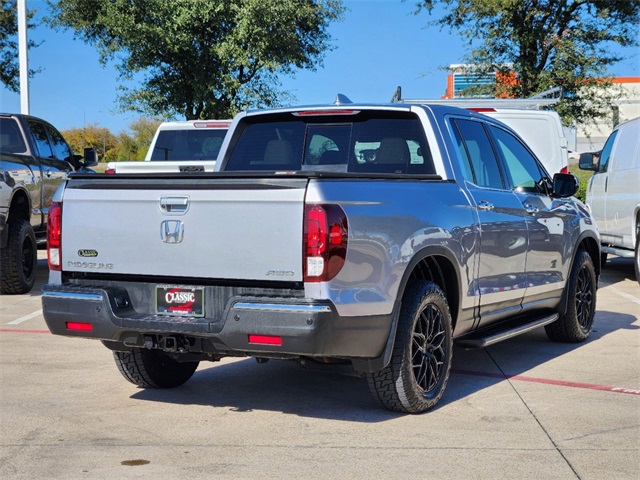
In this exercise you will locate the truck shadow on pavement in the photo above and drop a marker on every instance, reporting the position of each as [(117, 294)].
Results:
[(616, 270), (336, 392)]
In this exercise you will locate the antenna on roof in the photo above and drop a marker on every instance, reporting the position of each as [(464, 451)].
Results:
[(342, 99), (397, 96)]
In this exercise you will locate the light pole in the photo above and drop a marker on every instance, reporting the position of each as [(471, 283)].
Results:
[(23, 48)]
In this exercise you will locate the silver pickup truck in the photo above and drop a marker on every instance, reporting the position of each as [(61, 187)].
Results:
[(377, 235)]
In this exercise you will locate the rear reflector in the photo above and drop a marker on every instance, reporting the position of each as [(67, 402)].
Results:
[(79, 327), (110, 171), (265, 340)]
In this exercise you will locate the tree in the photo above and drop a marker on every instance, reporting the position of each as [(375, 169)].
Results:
[(547, 43), (92, 136), (202, 58), (135, 146), (9, 66)]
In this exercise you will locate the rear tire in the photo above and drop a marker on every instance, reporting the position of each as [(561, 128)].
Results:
[(153, 368), (417, 374), (576, 324), (19, 259)]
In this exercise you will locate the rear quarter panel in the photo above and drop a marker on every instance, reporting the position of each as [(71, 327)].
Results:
[(391, 223)]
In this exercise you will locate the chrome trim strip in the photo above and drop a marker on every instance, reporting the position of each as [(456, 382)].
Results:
[(73, 295), (283, 307)]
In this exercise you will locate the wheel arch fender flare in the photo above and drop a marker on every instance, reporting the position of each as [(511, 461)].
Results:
[(448, 280), (19, 207), (589, 242)]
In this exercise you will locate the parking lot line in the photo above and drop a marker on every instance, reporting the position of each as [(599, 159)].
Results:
[(17, 330), (25, 318), (625, 295), (549, 381)]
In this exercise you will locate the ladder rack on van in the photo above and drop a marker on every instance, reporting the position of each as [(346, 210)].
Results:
[(537, 102)]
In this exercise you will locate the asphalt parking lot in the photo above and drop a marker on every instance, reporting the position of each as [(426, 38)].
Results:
[(525, 408)]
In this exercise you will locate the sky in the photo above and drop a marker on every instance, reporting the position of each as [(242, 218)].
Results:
[(379, 46)]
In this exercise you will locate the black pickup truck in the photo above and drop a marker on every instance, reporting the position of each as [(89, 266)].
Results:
[(34, 160)]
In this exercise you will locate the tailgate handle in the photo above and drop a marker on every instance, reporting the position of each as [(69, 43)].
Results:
[(174, 205)]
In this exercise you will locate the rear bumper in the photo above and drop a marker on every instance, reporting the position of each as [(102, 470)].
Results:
[(248, 326)]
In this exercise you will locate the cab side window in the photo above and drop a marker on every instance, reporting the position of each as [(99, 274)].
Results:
[(39, 135), (60, 148), (478, 158), (522, 170), (603, 163)]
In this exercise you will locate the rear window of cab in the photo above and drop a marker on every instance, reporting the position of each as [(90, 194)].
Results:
[(354, 141)]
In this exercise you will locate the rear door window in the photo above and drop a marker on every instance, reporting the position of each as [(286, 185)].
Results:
[(364, 142), (478, 159), (39, 135)]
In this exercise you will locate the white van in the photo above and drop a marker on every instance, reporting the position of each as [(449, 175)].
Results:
[(613, 192)]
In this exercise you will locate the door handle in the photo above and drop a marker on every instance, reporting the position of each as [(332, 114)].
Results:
[(530, 209), (174, 205), (485, 205)]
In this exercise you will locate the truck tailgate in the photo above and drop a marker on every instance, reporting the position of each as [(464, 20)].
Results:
[(217, 228)]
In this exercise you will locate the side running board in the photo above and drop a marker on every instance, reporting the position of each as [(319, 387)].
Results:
[(495, 335)]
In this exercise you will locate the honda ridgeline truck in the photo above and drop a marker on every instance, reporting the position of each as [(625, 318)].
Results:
[(378, 235)]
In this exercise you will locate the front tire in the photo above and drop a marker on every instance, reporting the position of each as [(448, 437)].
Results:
[(153, 368), (417, 374), (19, 259), (576, 324)]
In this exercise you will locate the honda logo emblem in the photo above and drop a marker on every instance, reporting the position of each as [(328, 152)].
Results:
[(172, 231)]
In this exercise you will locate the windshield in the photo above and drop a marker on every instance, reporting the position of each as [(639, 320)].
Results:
[(367, 142), (188, 144)]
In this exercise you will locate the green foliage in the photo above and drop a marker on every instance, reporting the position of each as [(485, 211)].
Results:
[(134, 146), (131, 145), (9, 65), (202, 58), (547, 43), (92, 136), (583, 177)]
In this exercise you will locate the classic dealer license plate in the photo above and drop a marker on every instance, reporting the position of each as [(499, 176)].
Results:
[(180, 301)]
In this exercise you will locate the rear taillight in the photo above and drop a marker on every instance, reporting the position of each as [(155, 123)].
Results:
[(325, 242), (110, 171), (54, 236), (564, 170)]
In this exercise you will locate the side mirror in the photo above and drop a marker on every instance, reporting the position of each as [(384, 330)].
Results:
[(90, 157), (588, 161), (565, 185)]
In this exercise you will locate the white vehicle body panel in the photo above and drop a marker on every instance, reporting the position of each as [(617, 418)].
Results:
[(613, 194)]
